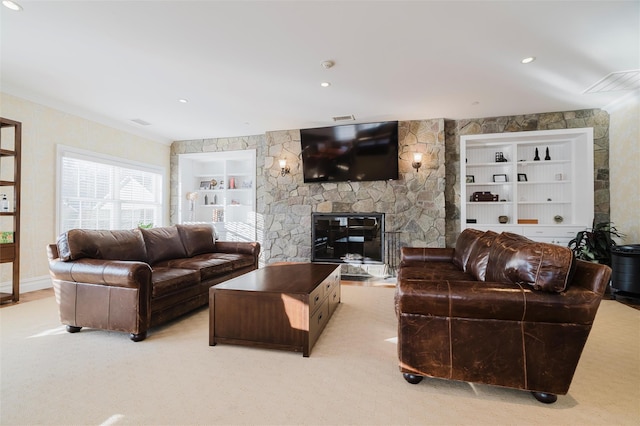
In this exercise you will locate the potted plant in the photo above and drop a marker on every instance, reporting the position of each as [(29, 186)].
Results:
[(595, 244)]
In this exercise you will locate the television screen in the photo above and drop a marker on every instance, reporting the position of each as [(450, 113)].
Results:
[(352, 152)]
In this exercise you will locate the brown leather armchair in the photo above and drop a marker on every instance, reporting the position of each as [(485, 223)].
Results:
[(498, 309)]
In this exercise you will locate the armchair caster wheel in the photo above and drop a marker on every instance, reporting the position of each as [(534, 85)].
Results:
[(412, 378), (73, 329), (138, 337), (546, 398)]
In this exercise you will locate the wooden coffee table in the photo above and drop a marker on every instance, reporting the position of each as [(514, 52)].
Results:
[(280, 306)]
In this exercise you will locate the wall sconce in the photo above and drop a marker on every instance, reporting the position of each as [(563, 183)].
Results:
[(417, 161), (284, 169)]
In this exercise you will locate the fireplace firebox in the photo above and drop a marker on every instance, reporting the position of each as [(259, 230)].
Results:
[(347, 237)]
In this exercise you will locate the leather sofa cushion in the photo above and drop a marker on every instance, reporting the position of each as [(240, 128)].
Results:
[(433, 271), (163, 243), (464, 245), (494, 301), (101, 244), (197, 238), (479, 255), (168, 280), (209, 267), (238, 260), (516, 259)]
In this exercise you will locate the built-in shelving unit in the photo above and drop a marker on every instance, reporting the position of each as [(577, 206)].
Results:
[(219, 188), (10, 147), (538, 184)]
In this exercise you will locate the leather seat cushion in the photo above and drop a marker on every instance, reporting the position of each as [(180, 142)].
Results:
[(464, 244), (238, 260), (207, 265), (517, 259), (433, 271), (491, 300), (167, 280)]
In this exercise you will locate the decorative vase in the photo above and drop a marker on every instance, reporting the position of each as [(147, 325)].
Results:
[(547, 156), (503, 219), (537, 157)]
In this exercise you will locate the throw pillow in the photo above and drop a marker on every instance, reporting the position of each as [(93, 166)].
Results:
[(163, 243), (479, 255), (543, 266), (464, 245), (198, 238), (101, 244)]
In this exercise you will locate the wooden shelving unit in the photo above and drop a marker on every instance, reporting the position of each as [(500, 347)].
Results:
[(10, 147)]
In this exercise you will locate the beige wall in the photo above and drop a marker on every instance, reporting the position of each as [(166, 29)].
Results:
[(624, 136), (43, 128)]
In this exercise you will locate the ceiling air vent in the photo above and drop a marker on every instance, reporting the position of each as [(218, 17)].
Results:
[(344, 118), (140, 121), (617, 81)]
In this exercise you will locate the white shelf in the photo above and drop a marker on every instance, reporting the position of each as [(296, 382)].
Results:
[(566, 179), (233, 213)]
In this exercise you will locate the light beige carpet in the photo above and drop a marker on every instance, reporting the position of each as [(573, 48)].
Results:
[(96, 377)]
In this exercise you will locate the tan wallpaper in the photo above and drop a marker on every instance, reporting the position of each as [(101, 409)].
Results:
[(43, 128), (625, 174)]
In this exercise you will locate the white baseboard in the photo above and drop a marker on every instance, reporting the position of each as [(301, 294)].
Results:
[(29, 284)]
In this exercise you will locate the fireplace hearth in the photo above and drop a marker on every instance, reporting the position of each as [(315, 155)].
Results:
[(354, 238)]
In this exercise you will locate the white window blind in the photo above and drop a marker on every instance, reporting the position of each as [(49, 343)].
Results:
[(100, 192)]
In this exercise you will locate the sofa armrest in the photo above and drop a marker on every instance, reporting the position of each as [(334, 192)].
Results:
[(410, 255), (116, 273), (591, 276)]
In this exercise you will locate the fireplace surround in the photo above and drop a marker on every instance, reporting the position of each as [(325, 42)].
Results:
[(347, 237)]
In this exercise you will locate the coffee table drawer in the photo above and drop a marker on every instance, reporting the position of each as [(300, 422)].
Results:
[(317, 321), (334, 299), (316, 297)]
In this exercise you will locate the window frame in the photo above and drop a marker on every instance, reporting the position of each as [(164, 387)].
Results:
[(63, 151)]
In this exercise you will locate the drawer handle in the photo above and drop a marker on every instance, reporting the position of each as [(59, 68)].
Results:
[(319, 317), (335, 295), (316, 299), (329, 285)]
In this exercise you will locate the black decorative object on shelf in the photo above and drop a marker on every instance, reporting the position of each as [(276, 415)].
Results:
[(500, 158), (547, 156), (537, 157)]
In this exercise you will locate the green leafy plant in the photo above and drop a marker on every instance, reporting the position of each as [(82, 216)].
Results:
[(145, 225), (594, 245)]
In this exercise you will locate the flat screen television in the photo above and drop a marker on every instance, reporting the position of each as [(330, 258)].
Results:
[(351, 152)]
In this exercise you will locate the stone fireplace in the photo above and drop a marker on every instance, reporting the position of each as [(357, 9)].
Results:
[(354, 238)]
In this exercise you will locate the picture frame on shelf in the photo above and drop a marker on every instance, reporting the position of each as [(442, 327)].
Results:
[(500, 178), (471, 179), (522, 177), (205, 184)]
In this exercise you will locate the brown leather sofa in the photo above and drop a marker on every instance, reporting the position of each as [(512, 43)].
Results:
[(132, 280), (497, 309)]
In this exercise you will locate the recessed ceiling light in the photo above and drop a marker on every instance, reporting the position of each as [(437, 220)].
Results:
[(325, 84), (183, 101), (528, 60), (12, 5)]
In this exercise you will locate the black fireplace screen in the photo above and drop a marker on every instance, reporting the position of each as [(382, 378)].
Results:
[(347, 237)]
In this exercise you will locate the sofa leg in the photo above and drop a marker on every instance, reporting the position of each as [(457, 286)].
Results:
[(73, 329), (138, 337), (412, 378), (546, 398)]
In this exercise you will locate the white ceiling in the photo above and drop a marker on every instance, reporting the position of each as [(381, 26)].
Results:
[(247, 67)]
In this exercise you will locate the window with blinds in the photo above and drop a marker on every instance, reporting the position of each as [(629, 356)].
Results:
[(100, 192)]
